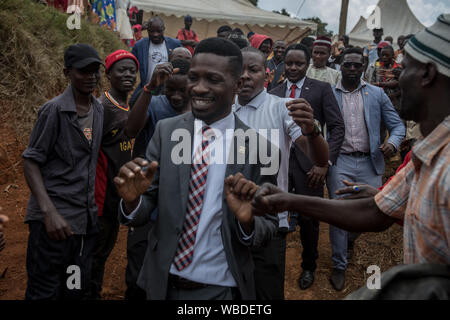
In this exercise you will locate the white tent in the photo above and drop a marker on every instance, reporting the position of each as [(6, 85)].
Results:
[(209, 15), (396, 19)]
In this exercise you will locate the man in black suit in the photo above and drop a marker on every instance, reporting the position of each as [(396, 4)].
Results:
[(304, 177)]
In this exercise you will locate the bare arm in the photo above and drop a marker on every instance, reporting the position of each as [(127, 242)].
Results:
[(360, 215), (316, 148), (138, 115)]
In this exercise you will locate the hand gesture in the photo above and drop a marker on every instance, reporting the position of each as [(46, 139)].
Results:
[(362, 191), (316, 176), (269, 199), (161, 73), (388, 149), (239, 192), (57, 228), (302, 114), (134, 178)]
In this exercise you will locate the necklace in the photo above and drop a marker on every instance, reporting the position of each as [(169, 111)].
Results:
[(114, 102)]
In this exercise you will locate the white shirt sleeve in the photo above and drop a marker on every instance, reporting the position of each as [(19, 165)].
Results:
[(133, 213), (290, 127)]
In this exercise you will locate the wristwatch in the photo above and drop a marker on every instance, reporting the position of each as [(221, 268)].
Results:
[(316, 131)]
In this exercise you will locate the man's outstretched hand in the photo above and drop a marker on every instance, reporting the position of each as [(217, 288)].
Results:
[(239, 192), (134, 178), (269, 199)]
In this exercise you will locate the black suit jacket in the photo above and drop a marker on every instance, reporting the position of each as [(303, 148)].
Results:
[(326, 110)]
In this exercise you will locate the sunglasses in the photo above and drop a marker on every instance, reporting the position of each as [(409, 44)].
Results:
[(348, 65)]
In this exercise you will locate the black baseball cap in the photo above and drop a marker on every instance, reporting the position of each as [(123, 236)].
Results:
[(80, 55)]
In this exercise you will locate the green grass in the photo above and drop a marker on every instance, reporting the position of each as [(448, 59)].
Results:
[(33, 38)]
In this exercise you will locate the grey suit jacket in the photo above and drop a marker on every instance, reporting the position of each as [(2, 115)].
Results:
[(169, 192)]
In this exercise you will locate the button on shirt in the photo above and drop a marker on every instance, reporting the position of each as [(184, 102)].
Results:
[(356, 134), (269, 112), (419, 194), (298, 90), (67, 161)]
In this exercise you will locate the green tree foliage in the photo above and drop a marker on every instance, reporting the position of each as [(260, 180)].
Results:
[(321, 27), (283, 12)]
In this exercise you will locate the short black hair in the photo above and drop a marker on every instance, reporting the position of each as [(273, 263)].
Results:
[(225, 48), (238, 31), (250, 34), (308, 41), (224, 28), (356, 50), (299, 46), (257, 51), (181, 64), (155, 19), (239, 40)]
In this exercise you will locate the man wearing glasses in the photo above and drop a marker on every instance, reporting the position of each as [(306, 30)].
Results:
[(362, 153)]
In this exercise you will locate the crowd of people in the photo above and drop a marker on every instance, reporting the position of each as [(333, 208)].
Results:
[(202, 229)]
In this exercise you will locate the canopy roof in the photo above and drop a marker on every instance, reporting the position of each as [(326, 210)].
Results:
[(228, 11), (396, 19)]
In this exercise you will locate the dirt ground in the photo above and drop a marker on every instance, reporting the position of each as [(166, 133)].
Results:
[(382, 249)]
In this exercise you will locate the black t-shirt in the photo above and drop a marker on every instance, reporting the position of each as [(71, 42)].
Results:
[(115, 151)]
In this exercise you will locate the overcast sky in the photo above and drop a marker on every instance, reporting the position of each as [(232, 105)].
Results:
[(328, 10)]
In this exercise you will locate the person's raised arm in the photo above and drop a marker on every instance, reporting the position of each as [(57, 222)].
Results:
[(138, 114), (311, 142)]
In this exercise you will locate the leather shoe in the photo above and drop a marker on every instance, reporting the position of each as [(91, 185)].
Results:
[(306, 279), (338, 279)]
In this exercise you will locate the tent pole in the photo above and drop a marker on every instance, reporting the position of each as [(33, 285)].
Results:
[(343, 17)]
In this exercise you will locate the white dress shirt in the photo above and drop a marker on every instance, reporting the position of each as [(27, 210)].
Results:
[(298, 90), (267, 111)]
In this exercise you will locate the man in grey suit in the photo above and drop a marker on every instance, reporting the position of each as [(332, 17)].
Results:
[(205, 257), (199, 247)]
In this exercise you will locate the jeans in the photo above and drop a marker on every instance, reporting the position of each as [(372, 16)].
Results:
[(353, 169)]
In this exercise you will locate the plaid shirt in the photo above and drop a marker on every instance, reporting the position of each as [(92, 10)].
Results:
[(420, 195)]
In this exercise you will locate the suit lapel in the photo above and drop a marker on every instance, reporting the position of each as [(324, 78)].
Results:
[(184, 169), (306, 89), (233, 167)]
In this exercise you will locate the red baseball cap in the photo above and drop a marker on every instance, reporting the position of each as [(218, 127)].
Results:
[(119, 55)]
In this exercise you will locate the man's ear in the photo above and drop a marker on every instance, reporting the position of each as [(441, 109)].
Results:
[(429, 74), (66, 72)]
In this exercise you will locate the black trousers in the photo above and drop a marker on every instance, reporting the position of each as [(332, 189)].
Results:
[(136, 248), (269, 271), (309, 227), (104, 244), (53, 267)]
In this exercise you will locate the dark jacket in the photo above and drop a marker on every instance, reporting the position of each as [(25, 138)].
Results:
[(140, 50), (326, 110)]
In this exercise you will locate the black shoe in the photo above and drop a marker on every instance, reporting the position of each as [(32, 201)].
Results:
[(306, 279), (338, 279)]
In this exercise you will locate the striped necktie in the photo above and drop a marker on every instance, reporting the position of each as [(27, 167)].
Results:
[(197, 186)]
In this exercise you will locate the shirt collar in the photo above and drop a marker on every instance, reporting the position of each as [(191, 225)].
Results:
[(425, 150), (299, 83), (256, 102), (340, 87), (68, 100), (219, 127)]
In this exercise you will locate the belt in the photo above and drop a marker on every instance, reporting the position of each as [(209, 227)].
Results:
[(184, 284), (358, 154)]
